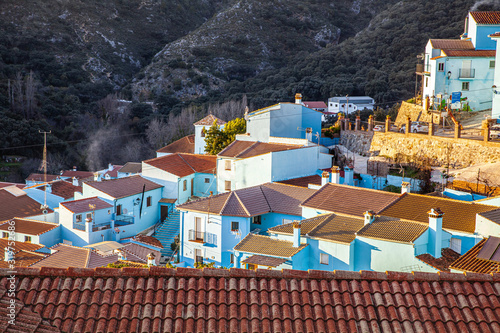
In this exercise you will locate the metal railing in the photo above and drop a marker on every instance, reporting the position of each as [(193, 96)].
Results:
[(79, 226), (121, 220), (102, 226), (466, 73), (196, 236)]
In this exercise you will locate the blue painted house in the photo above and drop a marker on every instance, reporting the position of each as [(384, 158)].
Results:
[(211, 227)]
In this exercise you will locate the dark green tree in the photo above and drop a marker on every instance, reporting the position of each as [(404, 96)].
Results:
[(217, 139)]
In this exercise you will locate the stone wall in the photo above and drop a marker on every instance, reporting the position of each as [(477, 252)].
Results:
[(460, 153), (416, 113)]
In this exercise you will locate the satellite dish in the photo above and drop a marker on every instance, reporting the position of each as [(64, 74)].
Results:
[(125, 210)]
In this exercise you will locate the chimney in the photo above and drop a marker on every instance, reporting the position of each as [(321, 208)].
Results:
[(121, 255), (405, 187), (74, 167), (298, 98), (97, 177), (8, 254), (296, 233), (110, 167), (335, 175), (348, 175), (48, 188), (75, 181), (151, 259), (369, 216), (435, 232), (325, 177)]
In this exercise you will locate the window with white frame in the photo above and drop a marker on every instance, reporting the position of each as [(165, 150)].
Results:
[(286, 221), (465, 85), (198, 255), (235, 226), (184, 185), (227, 185), (27, 239), (323, 258), (492, 63), (88, 217), (149, 201), (78, 217), (257, 219), (441, 67), (456, 245), (227, 165)]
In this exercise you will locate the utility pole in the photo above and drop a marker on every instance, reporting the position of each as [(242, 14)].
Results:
[(44, 206)]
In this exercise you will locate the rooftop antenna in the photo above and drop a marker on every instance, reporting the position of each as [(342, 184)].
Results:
[(44, 207)]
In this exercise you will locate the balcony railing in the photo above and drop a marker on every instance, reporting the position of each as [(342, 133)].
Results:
[(466, 73), (79, 226), (122, 220), (196, 236), (102, 226)]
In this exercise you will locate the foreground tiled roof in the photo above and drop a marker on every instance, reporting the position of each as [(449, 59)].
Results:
[(39, 177), (246, 149), (6, 184), (264, 261), (492, 215), (83, 205), (64, 189), (131, 167), (448, 256), (470, 53), (29, 227), (470, 262), (268, 246), (183, 165), (17, 206), (349, 200), (452, 44), (329, 227), (486, 17), (252, 201), (458, 215), (183, 145), (209, 121), (24, 253), (215, 300), (149, 240), (124, 187), (303, 181), (315, 105), (393, 229)]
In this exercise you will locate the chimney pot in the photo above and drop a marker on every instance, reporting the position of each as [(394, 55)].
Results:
[(151, 259), (369, 216), (325, 177), (296, 233), (298, 98), (435, 232), (405, 187)]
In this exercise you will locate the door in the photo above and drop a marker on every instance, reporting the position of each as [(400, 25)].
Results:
[(198, 256), (163, 212), (192, 186), (198, 229)]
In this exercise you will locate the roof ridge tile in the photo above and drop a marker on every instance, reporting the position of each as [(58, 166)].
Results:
[(346, 275), (471, 277), (241, 203)]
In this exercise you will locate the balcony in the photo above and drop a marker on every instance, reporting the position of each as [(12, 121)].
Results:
[(466, 73), (196, 236), (79, 226), (122, 220), (101, 226)]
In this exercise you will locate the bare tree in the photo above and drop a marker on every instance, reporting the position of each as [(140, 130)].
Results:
[(158, 134)]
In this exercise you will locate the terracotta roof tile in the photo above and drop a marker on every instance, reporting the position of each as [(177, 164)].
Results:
[(492, 215), (6, 184), (183, 165), (496, 34), (183, 145), (39, 177), (209, 120), (246, 149), (264, 261), (83, 205), (253, 201), (131, 167), (29, 227), (236, 300), (315, 105), (64, 189), (452, 44), (266, 245), (470, 262), (78, 174), (303, 181), (329, 227), (349, 200), (23, 259), (17, 206), (470, 53), (393, 229), (448, 256), (124, 187), (150, 240), (114, 171), (458, 215), (486, 17)]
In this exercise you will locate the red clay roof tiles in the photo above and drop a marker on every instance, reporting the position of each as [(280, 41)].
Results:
[(124, 187), (470, 53), (246, 149), (470, 262), (29, 227), (209, 120), (211, 300), (183, 145), (452, 44), (486, 17), (18, 206), (84, 205), (303, 181), (183, 165)]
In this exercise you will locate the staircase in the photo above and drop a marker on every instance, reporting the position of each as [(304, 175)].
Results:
[(167, 232)]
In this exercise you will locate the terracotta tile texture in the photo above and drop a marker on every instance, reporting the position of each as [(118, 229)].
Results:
[(303, 181), (470, 53), (39, 177), (264, 261), (124, 187), (29, 227), (183, 145), (183, 165), (209, 121), (83, 205), (236, 300), (486, 17), (470, 262), (448, 256), (393, 229), (17, 206), (246, 149), (131, 167), (452, 44), (269, 246)]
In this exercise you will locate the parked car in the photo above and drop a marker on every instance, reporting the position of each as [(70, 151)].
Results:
[(379, 128), (495, 132), (416, 127)]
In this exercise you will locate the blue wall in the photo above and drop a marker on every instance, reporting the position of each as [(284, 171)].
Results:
[(483, 42), (270, 220)]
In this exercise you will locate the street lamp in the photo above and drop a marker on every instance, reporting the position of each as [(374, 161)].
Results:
[(449, 74)]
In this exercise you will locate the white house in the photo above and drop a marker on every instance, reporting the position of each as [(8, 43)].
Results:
[(31, 231), (200, 128), (349, 104), (495, 111)]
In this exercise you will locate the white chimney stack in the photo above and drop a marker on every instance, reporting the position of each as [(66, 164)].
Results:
[(296, 233), (48, 188), (369, 216), (348, 175), (405, 187), (298, 98), (97, 176), (75, 181), (335, 175), (121, 255), (151, 259), (435, 232), (74, 167), (325, 178), (8, 255), (110, 167)]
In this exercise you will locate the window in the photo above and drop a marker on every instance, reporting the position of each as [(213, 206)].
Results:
[(235, 226), (149, 201), (78, 218), (27, 239), (5, 235), (456, 245), (118, 209), (465, 85), (286, 221), (252, 267), (492, 63), (257, 219), (231, 259), (227, 185), (336, 105), (88, 217), (203, 132), (207, 180), (323, 258), (441, 67), (109, 211), (426, 82), (198, 255), (184, 185), (227, 165)]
